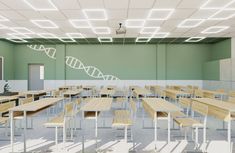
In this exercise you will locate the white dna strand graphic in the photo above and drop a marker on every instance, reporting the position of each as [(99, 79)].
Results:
[(74, 63), (50, 52), (90, 70)]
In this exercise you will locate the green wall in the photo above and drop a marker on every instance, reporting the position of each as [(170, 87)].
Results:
[(221, 50), (6, 51), (127, 62)]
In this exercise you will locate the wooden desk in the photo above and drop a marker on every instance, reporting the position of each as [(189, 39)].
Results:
[(97, 105), (175, 94), (34, 93), (155, 105), (213, 94), (8, 98), (110, 87), (220, 110), (70, 93), (133, 87), (141, 91), (107, 92), (33, 107), (65, 87), (88, 87)]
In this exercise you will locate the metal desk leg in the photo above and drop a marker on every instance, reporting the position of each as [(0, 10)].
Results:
[(155, 131), (229, 133), (126, 134), (169, 127), (96, 128), (25, 128), (12, 130)]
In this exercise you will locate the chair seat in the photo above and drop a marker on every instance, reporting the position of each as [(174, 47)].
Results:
[(178, 114), (188, 122), (56, 121), (121, 113), (3, 120), (122, 118)]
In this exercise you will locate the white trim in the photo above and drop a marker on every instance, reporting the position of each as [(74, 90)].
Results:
[(2, 67)]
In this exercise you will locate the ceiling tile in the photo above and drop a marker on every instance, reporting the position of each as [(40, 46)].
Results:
[(138, 13), (91, 4), (12, 15), (166, 3), (190, 4), (117, 14), (203, 14), (182, 13), (66, 4), (99, 23), (153, 23), (73, 14), (116, 4), (141, 3), (16, 4), (53, 15)]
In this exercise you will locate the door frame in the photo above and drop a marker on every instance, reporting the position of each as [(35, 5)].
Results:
[(41, 64)]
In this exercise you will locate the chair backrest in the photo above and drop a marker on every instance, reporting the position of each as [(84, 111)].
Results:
[(4, 107), (200, 108), (133, 105), (185, 102), (78, 101), (55, 93), (26, 100), (232, 94), (198, 93), (220, 90), (69, 108), (231, 99)]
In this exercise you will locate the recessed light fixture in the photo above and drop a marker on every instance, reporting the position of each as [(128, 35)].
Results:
[(215, 4), (47, 35), (101, 30), (2, 18), (41, 5), (161, 35), (160, 14), (142, 39), (18, 35), (75, 35), (134, 23), (214, 29), (105, 39), (45, 24), (80, 23), (190, 23), (222, 14), (194, 39), (95, 14), (149, 30), (17, 40), (22, 30), (66, 39)]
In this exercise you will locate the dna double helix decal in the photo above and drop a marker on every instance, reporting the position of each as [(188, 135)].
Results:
[(74, 63), (50, 52)]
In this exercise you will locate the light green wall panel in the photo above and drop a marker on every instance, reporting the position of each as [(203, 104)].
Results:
[(60, 62), (24, 56), (127, 62), (211, 70), (161, 62), (184, 62), (6, 51), (221, 50)]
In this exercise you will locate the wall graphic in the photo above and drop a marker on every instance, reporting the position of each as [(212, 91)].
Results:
[(74, 63)]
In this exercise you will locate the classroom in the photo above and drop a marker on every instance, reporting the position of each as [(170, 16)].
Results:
[(117, 76)]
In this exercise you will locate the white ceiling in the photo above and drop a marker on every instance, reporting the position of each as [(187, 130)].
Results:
[(20, 13)]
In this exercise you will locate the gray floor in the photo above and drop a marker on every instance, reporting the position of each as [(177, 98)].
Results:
[(41, 139)]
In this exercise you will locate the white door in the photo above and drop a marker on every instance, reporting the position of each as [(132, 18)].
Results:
[(36, 77)]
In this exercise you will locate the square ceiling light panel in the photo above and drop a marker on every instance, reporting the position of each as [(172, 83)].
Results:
[(134, 23), (190, 23), (80, 23), (2, 18), (105, 39), (216, 4), (161, 35), (214, 29), (46, 35), (41, 5), (223, 14), (194, 39), (45, 24), (75, 35), (149, 30), (101, 30), (66, 39), (160, 14), (95, 14), (18, 35), (22, 30), (142, 39)]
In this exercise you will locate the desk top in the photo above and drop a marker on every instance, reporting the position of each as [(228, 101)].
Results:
[(213, 92), (216, 103), (106, 91), (141, 91), (8, 98), (88, 87), (33, 92), (177, 92), (73, 92), (98, 104), (161, 105), (36, 105)]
